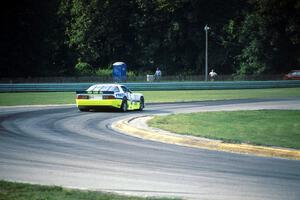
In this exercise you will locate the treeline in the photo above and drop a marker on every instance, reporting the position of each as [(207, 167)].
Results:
[(73, 37)]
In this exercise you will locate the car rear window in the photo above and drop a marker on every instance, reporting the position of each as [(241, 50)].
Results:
[(103, 88)]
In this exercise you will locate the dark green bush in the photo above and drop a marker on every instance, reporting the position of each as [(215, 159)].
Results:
[(83, 68)]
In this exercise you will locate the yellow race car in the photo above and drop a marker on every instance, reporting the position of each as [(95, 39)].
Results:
[(109, 96)]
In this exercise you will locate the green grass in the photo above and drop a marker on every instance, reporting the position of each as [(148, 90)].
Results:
[(204, 95), (263, 127), (20, 191), (36, 98), (42, 98)]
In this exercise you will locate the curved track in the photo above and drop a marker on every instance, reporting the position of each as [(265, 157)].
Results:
[(62, 146)]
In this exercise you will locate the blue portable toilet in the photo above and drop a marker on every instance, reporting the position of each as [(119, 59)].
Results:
[(119, 71)]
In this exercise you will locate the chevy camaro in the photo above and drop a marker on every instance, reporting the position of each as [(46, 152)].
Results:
[(109, 96)]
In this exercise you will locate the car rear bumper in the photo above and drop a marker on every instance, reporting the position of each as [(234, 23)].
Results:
[(114, 103)]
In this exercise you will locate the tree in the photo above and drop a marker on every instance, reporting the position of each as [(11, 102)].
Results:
[(267, 36), (30, 41), (46, 38)]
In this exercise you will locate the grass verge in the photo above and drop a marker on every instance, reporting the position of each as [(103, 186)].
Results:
[(36, 98), (205, 95), (21, 191), (43, 98), (262, 127)]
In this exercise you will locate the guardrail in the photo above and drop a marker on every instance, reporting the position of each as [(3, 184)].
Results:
[(140, 78), (72, 87)]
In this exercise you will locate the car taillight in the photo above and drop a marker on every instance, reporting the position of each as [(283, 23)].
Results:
[(83, 96), (108, 97)]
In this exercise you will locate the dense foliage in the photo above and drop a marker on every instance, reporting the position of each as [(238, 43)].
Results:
[(64, 37)]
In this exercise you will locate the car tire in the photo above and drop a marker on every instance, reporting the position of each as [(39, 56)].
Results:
[(142, 104), (124, 106)]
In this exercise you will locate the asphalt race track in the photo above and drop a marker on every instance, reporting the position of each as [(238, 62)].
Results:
[(58, 145)]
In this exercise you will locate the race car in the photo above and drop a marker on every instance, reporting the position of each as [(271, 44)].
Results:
[(109, 96)]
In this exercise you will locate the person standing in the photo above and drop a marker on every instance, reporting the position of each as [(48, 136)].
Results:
[(157, 74), (212, 75)]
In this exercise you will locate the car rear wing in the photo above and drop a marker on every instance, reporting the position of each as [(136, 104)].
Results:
[(94, 92)]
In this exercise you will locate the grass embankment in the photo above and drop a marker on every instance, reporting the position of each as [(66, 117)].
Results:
[(263, 127), (20, 191), (43, 98)]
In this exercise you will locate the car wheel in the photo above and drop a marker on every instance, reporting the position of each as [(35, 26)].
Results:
[(124, 106), (142, 104)]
